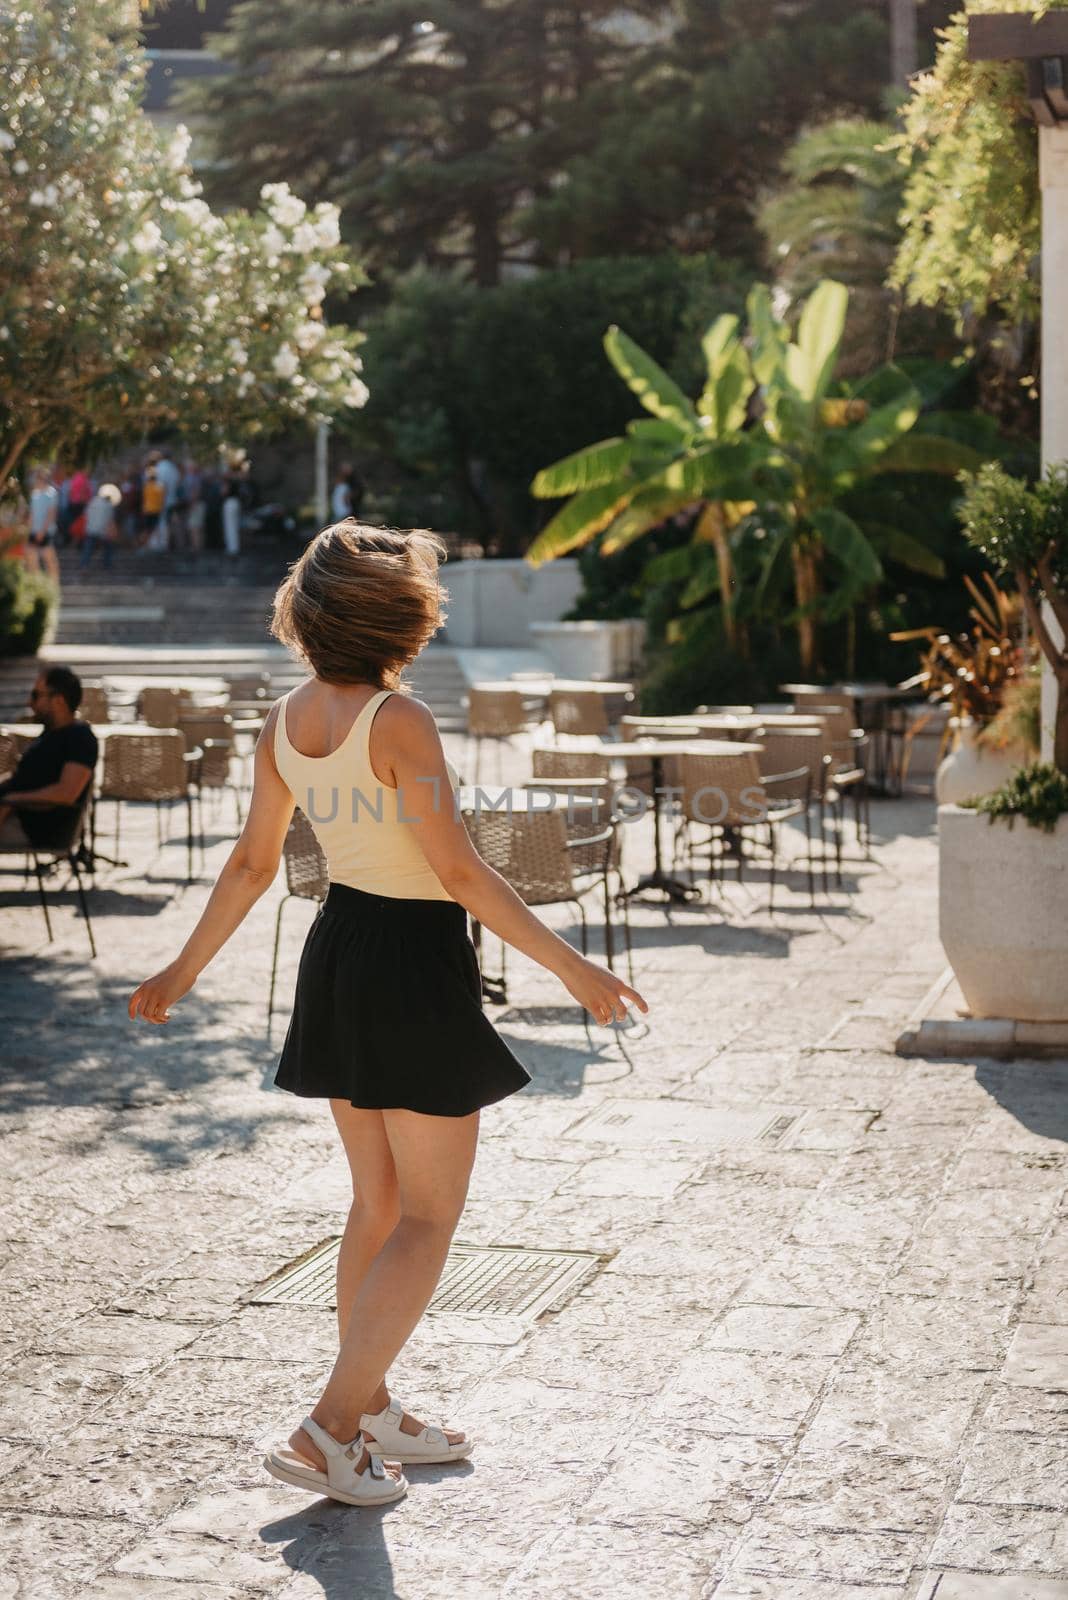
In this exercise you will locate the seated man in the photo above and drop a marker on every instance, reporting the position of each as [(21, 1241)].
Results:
[(40, 800)]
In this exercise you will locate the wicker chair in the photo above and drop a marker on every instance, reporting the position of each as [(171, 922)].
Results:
[(68, 849), (157, 766), (306, 879), (846, 774), (160, 706), (794, 761), (213, 734), (532, 851), (579, 711), (742, 804), (248, 685), (495, 714), (597, 811), (10, 751), (94, 704)]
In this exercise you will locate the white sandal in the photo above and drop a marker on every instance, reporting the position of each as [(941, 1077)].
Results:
[(428, 1446), (371, 1487)]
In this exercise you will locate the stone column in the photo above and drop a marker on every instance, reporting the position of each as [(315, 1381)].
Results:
[(1053, 177)]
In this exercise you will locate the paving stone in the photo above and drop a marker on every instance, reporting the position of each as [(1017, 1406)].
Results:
[(724, 1391), (1038, 1356), (672, 1473), (807, 1275), (97, 1471), (1018, 1472), (221, 1397), (1015, 1408), (865, 1490), (923, 1335), (602, 1561), (875, 1410), (189, 1557), (876, 1558), (876, 1225), (49, 1558), (656, 1178), (747, 1586), (788, 1330), (1003, 1539), (39, 1390), (115, 1587), (971, 1586)]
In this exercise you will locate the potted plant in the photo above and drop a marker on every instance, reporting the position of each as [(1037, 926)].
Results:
[(1003, 865), (974, 675)]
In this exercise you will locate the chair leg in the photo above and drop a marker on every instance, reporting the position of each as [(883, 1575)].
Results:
[(772, 846), (609, 942), (159, 827), (808, 859), (274, 959), (585, 928), (189, 836), (44, 897), (84, 903)]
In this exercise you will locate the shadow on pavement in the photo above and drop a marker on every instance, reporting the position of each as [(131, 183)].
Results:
[(1034, 1092)]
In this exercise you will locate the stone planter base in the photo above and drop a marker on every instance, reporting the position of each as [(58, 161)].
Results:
[(942, 1028), (1003, 894)]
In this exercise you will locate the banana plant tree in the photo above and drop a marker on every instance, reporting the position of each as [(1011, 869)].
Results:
[(828, 446), (684, 454), (768, 455)]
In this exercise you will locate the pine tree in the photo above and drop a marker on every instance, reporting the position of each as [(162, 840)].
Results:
[(435, 136)]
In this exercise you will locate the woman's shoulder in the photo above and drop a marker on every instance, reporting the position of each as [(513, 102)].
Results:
[(405, 715)]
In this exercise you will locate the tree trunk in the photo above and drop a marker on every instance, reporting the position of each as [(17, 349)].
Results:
[(1060, 725), (903, 41), (711, 529), (806, 591)]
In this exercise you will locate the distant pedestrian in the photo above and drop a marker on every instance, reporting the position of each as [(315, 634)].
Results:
[(101, 527), (153, 499), (232, 509), (44, 513), (347, 496), (79, 494), (130, 512), (194, 509)]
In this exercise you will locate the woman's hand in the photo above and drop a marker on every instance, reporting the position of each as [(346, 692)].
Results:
[(600, 991), (152, 999)]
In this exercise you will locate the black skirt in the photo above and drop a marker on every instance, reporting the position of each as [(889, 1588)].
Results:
[(388, 1011)]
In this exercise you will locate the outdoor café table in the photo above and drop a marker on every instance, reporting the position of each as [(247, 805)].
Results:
[(129, 686), (655, 752), (541, 688), (870, 702)]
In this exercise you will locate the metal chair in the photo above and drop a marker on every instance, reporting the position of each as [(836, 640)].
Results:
[(150, 766), (306, 879), (67, 849), (743, 803), (532, 852), (847, 773), (495, 714), (595, 811)]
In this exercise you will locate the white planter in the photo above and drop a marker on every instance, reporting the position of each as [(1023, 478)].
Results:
[(972, 769), (1001, 902)]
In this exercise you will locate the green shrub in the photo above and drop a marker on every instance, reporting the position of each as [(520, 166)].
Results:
[(1038, 793), (29, 602)]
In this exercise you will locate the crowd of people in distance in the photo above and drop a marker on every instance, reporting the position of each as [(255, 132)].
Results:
[(155, 504)]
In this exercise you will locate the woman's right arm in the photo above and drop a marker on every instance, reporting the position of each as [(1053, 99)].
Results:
[(416, 766)]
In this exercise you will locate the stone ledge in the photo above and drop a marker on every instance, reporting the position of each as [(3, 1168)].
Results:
[(941, 1025)]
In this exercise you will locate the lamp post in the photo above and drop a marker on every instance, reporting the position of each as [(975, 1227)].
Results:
[(1041, 44)]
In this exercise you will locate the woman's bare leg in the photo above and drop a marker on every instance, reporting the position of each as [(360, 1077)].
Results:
[(433, 1157)]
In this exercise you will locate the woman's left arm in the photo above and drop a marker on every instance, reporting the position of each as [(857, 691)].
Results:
[(248, 873)]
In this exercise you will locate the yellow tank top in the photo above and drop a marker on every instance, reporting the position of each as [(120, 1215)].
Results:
[(360, 825)]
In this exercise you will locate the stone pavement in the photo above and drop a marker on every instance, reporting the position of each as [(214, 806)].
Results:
[(825, 1356)]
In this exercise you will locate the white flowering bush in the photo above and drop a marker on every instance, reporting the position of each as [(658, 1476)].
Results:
[(125, 301)]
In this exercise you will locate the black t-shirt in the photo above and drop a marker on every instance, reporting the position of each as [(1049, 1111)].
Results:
[(42, 763)]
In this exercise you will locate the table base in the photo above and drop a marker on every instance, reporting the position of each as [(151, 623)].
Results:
[(676, 889)]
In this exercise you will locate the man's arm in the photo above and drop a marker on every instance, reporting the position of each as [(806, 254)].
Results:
[(64, 792)]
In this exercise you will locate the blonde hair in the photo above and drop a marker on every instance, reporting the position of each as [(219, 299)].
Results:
[(361, 602)]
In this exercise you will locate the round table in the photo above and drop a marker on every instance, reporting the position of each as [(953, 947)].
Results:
[(656, 752)]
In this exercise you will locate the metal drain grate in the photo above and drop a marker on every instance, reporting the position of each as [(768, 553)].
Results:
[(640, 1122), (491, 1282)]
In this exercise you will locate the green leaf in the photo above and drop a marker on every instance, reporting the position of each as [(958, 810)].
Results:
[(919, 452), (843, 539), (768, 335), (657, 431), (585, 515), (586, 469), (854, 451), (906, 550), (648, 509), (721, 471), (819, 337), (657, 392)]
